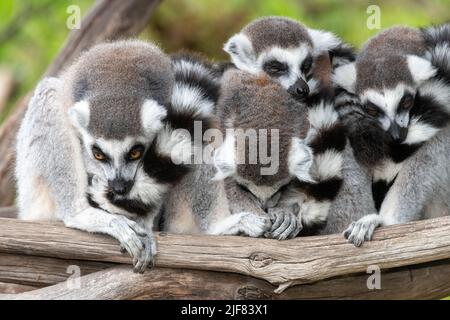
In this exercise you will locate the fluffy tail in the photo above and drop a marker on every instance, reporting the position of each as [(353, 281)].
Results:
[(327, 140), (190, 114), (437, 39)]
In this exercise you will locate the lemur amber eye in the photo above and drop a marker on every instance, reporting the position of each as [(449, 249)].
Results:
[(407, 102), (100, 156), (136, 153)]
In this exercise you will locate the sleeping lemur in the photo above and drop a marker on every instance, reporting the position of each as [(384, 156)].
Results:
[(285, 196), (395, 105)]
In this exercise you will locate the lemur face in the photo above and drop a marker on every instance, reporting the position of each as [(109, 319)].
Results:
[(277, 153), (291, 67), (390, 107), (283, 49), (387, 88), (115, 161)]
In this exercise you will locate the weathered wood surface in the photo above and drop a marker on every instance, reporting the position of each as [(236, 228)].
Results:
[(107, 20), (8, 212), (13, 289), (430, 281), (298, 261), (44, 271)]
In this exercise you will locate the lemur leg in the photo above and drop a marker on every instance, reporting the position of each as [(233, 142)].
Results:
[(246, 223), (51, 177), (354, 199), (285, 223), (246, 215), (423, 176)]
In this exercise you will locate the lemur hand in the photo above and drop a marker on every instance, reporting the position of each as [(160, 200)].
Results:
[(135, 239), (363, 229), (285, 224)]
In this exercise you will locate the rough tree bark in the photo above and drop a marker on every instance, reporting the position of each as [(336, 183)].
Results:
[(298, 261), (107, 20), (424, 281)]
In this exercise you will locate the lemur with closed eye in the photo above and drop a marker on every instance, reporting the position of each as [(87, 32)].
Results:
[(281, 198), (101, 145), (301, 59), (298, 57), (395, 104)]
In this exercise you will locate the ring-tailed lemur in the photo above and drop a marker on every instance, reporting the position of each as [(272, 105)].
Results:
[(294, 54), (295, 195), (98, 147), (395, 98), (298, 57)]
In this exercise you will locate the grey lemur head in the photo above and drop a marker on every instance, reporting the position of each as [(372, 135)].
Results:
[(284, 49), (119, 94), (257, 110), (386, 77)]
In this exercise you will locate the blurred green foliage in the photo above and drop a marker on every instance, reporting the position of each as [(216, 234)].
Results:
[(31, 34), (204, 25), (33, 31)]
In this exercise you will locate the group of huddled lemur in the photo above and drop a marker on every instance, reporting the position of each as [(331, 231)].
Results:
[(363, 139)]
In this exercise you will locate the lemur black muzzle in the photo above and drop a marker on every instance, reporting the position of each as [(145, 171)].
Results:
[(299, 90), (398, 133), (120, 186)]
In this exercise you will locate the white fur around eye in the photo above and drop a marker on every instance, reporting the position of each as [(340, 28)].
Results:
[(79, 114), (152, 115), (300, 160)]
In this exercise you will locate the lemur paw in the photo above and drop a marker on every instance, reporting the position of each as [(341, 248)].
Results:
[(135, 239), (254, 225), (285, 224), (362, 230)]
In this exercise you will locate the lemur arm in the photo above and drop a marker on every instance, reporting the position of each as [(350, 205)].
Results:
[(354, 199), (424, 177), (52, 180), (246, 215)]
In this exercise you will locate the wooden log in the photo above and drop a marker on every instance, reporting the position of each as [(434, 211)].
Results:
[(425, 281), (285, 263), (8, 212), (44, 271), (12, 288), (107, 20)]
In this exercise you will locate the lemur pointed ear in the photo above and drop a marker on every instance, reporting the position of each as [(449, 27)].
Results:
[(152, 116), (323, 41), (79, 114), (421, 69), (345, 77), (300, 160), (241, 52), (224, 159)]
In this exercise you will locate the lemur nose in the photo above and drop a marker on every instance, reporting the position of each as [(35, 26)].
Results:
[(121, 186), (398, 133), (299, 89)]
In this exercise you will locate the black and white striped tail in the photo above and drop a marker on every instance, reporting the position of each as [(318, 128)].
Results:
[(327, 141)]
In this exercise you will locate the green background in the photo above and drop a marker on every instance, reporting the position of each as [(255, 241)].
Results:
[(33, 31)]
